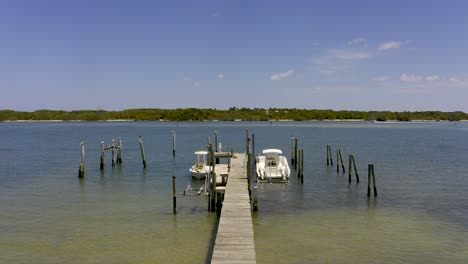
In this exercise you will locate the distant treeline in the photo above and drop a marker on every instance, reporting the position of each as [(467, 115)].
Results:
[(244, 114)]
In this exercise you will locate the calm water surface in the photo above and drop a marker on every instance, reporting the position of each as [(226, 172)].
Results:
[(124, 215)]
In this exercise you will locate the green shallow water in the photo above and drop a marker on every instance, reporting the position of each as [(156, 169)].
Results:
[(124, 215), (351, 236)]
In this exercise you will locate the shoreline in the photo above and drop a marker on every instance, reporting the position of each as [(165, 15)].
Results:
[(237, 120)]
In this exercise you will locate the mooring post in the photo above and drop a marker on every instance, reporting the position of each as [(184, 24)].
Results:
[(253, 172), (112, 147), (369, 171), (302, 165), (341, 159), (331, 156), (299, 161), (142, 150), (103, 150), (373, 181), (213, 180), (337, 161), (249, 172), (295, 153), (209, 176), (81, 172), (328, 155), (219, 203), (355, 169), (216, 146), (119, 153), (174, 198), (255, 198), (173, 142), (292, 150), (350, 159)]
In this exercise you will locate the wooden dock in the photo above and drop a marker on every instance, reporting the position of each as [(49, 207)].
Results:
[(235, 238)]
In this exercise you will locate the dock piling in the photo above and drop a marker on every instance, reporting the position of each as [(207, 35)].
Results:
[(292, 150), (112, 147), (119, 152), (350, 160), (173, 142), (216, 145), (103, 150), (295, 153), (255, 199), (370, 172), (81, 172), (342, 163), (301, 165), (174, 197), (142, 150)]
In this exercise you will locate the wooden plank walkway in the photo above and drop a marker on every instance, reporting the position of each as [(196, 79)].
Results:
[(235, 239)]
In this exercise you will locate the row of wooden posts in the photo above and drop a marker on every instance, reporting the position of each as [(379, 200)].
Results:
[(297, 159), (117, 148), (351, 165)]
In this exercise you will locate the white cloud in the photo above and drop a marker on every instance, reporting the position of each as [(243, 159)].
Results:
[(416, 78), (196, 84), (338, 60), (389, 45), (357, 41), (221, 76), (432, 78), (315, 43), (411, 78), (348, 54), (380, 78), (282, 75)]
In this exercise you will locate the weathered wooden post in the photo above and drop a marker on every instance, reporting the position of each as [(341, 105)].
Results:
[(331, 156), (337, 161), (373, 181), (81, 172), (210, 175), (341, 159), (103, 150), (295, 153), (350, 159), (254, 162), (302, 165), (216, 146), (299, 161), (213, 180), (174, 198), (328, 155), (119, 153), (142, 150), (249, 172), (292, 150), (112, 147), (173, 142), (355, 168), (255, 198), (370, 172)]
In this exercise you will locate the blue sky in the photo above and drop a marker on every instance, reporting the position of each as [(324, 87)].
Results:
[(354, 55)]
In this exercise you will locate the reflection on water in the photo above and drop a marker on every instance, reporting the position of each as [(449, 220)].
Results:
[(124, 213)]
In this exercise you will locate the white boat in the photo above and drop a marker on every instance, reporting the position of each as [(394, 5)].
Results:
[(199, 170), (272, 165)]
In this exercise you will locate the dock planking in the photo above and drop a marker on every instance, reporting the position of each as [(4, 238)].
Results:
[(235, 238)]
